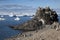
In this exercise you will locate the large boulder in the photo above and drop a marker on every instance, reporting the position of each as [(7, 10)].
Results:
[(43, 16)]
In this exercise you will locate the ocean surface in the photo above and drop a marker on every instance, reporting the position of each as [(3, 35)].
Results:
[(6, 31)]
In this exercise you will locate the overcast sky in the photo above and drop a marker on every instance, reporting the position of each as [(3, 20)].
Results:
[(33, 3)]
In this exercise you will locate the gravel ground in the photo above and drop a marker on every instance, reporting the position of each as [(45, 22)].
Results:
[(43, 34)]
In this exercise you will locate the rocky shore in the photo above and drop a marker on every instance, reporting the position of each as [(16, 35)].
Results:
[(44, 26), (45, 34)]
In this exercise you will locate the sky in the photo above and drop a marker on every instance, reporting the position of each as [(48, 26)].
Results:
[(33, 3), (29, 4)]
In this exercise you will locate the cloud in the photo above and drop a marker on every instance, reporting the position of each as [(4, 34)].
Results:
[(17, 8)]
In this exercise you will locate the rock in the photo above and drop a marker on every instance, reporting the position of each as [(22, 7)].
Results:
[(30, 25), (47, 14), (44, 34), (56, 26), (43, 16)]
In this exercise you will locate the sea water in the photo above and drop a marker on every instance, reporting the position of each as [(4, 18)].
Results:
[(6, 31)]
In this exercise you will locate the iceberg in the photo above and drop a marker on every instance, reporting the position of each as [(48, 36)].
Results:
[(11, 15), (2, 19), (17, 19)]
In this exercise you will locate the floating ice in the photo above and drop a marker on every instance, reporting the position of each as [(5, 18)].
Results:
[(2, 19), (17, 19)]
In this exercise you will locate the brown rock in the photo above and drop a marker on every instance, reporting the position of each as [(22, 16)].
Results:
[(43, 16)]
